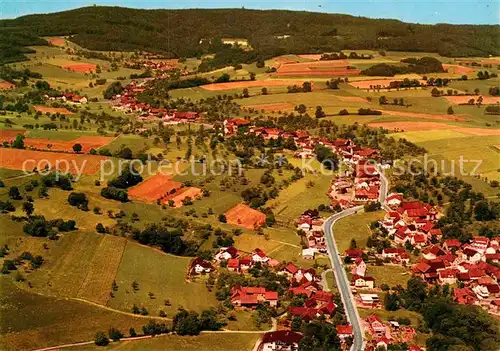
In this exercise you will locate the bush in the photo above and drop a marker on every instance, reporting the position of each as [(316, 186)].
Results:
[(101, 339), (115, 334), (114, 194), (78, 200), (222, 218)]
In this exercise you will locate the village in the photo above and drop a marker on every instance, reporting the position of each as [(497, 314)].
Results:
[(409, 224), (471, 268)]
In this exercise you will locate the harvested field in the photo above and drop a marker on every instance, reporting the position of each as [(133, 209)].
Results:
[(97, 284), (244, 216), (179, 196), (6, 85), (28, 160), (87, 142), (271, 107), (410, 126), (8, 135), (317, 68), (423, 126), (458, 100), (477, 131), (366, 84), (352, 99), (56, 41), (423, 115), (284, 60), (80, 67), (252, 83), (457, 69), (45, 109), (154, 188)]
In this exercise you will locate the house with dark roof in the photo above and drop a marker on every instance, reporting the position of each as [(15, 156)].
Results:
[(281, 340), (200, 266)]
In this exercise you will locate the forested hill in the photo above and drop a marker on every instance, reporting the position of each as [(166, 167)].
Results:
[(179, 32)]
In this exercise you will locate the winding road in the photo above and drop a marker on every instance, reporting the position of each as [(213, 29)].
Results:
[(340, 274)]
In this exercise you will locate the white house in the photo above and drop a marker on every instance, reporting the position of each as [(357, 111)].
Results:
[(363, 282), (308, 254), (359, 267), (259, 256)]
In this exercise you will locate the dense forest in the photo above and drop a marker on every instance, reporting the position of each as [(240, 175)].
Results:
[(184, 33)]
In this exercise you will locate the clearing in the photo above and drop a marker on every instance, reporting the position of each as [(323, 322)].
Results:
[(355, 227)]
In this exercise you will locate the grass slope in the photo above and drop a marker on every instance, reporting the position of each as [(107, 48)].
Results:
[(164, 276), (30, 321)]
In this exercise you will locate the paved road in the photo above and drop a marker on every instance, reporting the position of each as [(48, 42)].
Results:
[(341, 278), (340, 274), (384, 186)]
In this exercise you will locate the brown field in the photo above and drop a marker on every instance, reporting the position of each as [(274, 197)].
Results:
[(457, 69), (315, 57), (365, 84), (490, 62), (103, 268), (423, 126), (87, 142), (45, 109), (181, 194), (244, 216), (80, 67), (271, 107), (317, 68), (29, 160), (352, 99), (487, 100), (252, 83), (154, 188), (8, 135), (423, 115), (56, 41), (6, 85)]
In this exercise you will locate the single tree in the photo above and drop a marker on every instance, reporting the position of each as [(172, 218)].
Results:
[(28, 208), (77, 147), (14, 193)]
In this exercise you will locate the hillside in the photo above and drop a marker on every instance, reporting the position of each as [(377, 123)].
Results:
[(179, 33)]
